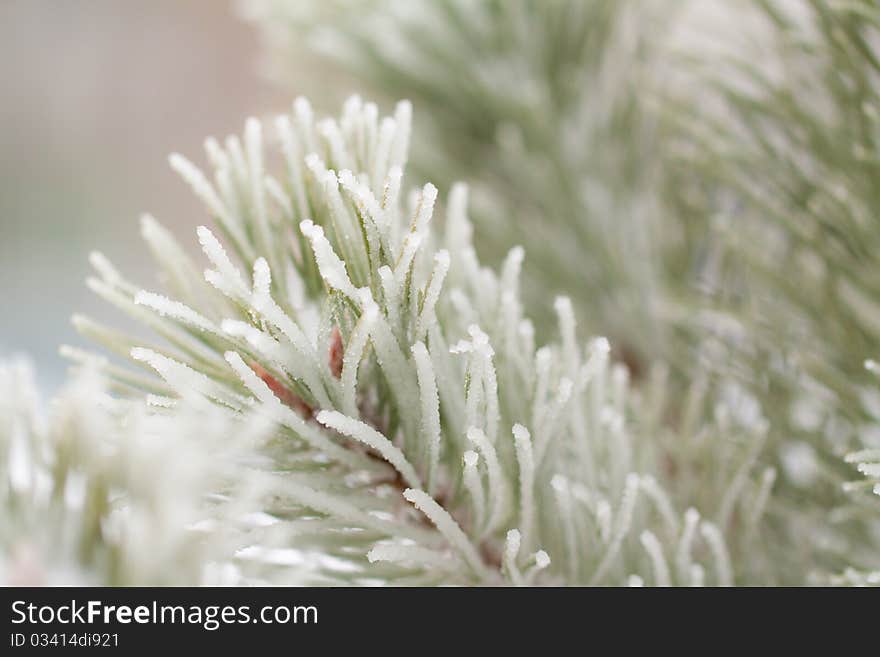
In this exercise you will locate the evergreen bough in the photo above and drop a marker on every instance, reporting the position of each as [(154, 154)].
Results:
[(346, 395), (408, 428)]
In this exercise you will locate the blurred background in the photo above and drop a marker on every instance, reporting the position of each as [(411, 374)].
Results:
[(95, 95)]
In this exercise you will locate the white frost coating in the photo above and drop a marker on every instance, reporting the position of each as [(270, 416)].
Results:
[(600, 345), (512, 544), (345, 225), (555, 415), (362, 196), (447, 526), (389, 294), (524, 456), (186, 381), (723, 570), (658, 561), (597, 359), (371, 213), (391, 193), (262, 281), (218, 257), (490, 383), (470, 458), (539, 561), (483, 383), (404, 263), (351, 359), (498, 491), (331, 267), (413, 555), (160, 401), (542, 559), (430, 402), (621, 526), (177, 335), (369, 436), (542, 373), (599, 349), (402, 274), (262, 342), (425, 209), (474, 486), (174, 309), (511, 551), (428, 316), (263, 303)]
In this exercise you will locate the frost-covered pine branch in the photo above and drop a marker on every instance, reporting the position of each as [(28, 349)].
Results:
[(421, 436), (340, 391)]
